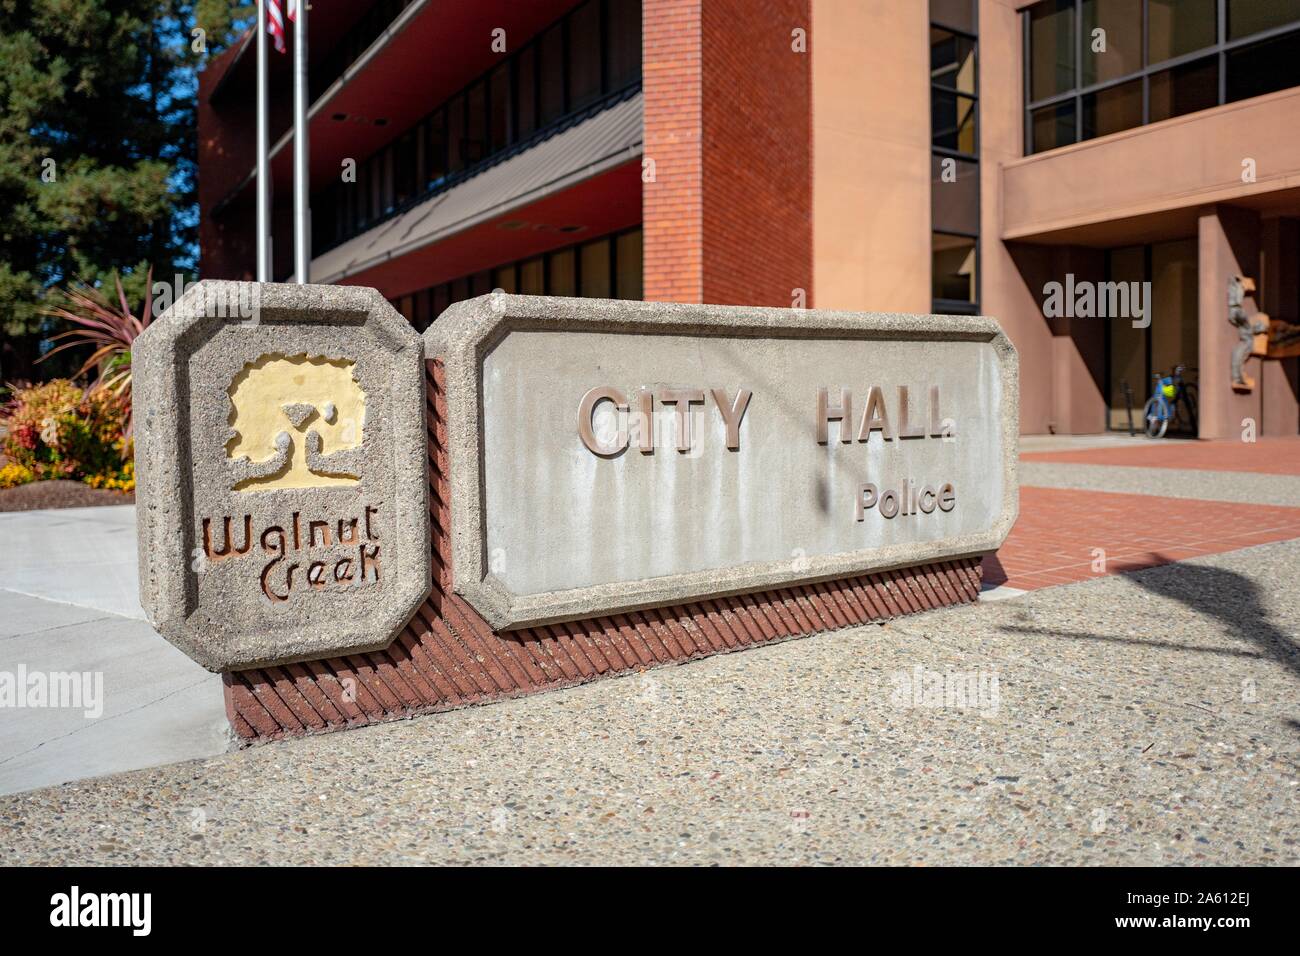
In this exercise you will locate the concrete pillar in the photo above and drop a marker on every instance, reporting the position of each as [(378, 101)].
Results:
[(1228, 244), (1280, 298)]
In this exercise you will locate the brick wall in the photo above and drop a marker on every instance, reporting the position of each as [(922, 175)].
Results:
[(728, 126), (673, 205)]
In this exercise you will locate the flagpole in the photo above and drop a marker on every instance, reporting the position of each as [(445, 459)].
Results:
[(263, 183), (301, 197)]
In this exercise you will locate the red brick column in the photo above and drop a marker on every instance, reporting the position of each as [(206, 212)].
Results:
[(673, 204), (728, 217)]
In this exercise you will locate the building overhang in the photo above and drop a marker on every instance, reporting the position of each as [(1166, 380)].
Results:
[(1149, 182), (583, 181)]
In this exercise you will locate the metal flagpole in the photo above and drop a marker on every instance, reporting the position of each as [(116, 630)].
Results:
[(263, 183), (301, 197)]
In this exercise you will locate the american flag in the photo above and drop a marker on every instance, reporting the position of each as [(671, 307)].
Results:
[(275, 20)]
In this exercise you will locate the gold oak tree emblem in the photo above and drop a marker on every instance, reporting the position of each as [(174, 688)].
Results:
[(295, 422)]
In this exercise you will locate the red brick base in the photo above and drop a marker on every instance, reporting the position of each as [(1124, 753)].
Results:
[(448, 657)]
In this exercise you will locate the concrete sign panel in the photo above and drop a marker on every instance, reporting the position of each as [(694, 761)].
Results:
[(610, 455), (281, 472)]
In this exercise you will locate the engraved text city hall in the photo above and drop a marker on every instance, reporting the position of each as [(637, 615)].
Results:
[(894, 415)]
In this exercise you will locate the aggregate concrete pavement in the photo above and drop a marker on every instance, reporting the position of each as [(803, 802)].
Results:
[(1149, 718)]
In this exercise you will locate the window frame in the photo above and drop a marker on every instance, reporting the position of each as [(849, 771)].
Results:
[(1218, 49)]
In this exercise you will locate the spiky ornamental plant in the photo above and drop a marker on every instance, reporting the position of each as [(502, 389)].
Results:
[(110, 329)]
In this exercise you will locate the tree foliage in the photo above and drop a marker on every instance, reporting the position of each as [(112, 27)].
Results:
[(97, 146)]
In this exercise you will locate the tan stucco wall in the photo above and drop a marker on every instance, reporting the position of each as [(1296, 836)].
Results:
[(871, 155), (1054, 370), (1179, 163)]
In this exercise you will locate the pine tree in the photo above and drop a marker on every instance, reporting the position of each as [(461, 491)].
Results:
[(97, 145)]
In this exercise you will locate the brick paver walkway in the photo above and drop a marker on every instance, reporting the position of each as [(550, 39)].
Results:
[(1268, 456), (1053, 541)]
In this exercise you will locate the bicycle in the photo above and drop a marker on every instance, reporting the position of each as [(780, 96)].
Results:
[(1174, 400)]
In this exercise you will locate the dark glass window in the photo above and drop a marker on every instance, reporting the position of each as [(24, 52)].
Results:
[(476, 131), (404, 167), (561, 273), (952, 61), (1051, 48), (441, 299), (1251, 16), (1176, 27), (952, 268), (627, 256), (952, 120), (1116, 50), (954, 194), (1112, 109), (526, 92), (591, 52), (594, 268), (623, 61), (504, 279), (1130, 82), (1184, 89), (1052, 126), (499, 108), (1264, 67), (584, 55), (532, 277), (456, 135), (550, 54), (436, 150)]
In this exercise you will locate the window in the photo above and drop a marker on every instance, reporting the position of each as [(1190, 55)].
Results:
[(1178, 27), (1185, 89), (1053, 126), (1247, 17), (550, 55), (1264, 67), (586, 60), (1112, 40), (1143, 61), (587, 269), (1051, 32), (584, 55), (952, 268), (526, 92), (1112, 109), (954, 163), (476, 129), (627, 255), (499, 108), (456, 135), (594, 259), (561, 273), (436, 151), (623, 30)]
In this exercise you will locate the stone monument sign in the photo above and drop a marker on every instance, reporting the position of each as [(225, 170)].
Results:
[(607, 456), (280, 449)]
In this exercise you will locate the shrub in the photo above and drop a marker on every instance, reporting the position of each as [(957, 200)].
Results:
[(12, 475), (57, 430)]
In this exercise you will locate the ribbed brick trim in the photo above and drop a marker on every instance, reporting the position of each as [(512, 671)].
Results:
[(448, 657)]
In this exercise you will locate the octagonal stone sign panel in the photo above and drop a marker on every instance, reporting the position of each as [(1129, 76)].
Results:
[(282, 486), (607, 456)]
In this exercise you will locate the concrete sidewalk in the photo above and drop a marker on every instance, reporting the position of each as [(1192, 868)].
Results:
[(69, 605), (1149, 718)]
